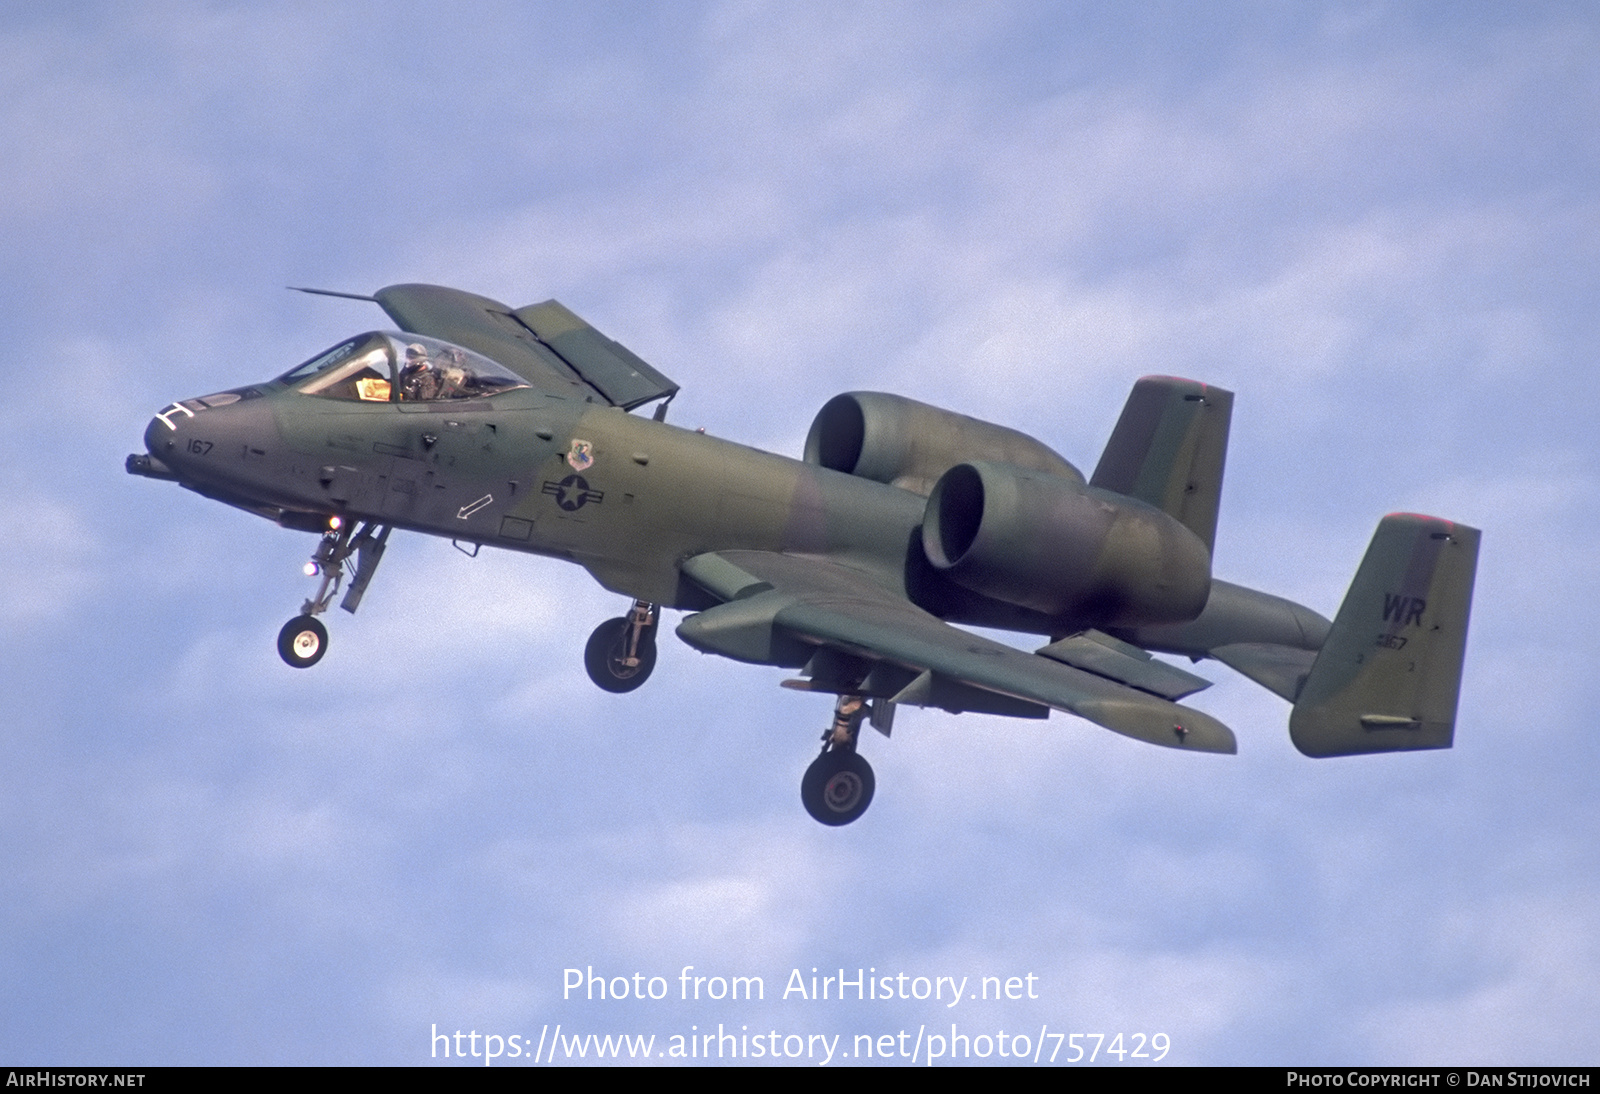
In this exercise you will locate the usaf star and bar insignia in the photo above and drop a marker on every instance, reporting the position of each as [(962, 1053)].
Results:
[(572, 493)]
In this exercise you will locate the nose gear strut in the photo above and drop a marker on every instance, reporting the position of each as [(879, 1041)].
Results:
[(304, 639)]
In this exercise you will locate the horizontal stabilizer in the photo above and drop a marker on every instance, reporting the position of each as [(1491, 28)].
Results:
[(1282, 670), (1388, 676)]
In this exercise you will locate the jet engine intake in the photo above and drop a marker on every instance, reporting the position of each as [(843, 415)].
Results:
[(1084, 555), (899, 441)]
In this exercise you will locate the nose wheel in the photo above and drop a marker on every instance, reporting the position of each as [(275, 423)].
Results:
[(621, 653), (302, 642), (342, 551)]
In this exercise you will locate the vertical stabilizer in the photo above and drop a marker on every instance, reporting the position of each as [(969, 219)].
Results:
[(1389, 674), (1168, 450)]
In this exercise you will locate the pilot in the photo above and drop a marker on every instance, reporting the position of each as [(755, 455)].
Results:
[(418, 380), (452, 374)]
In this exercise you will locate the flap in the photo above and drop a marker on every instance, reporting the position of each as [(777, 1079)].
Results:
[(1099, 653)]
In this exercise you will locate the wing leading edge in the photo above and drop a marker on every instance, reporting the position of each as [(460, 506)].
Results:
[(779, 609)]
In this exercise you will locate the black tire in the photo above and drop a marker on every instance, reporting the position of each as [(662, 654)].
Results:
[(302, 642), (837, 787), (604, 653)]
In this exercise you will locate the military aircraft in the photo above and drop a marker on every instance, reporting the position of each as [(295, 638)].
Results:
[(514, 427)]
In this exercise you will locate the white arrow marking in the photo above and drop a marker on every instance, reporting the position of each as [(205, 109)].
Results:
[(467, 510)]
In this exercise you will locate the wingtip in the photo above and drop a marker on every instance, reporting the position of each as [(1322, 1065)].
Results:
[(1196, 731), (1204, 733)]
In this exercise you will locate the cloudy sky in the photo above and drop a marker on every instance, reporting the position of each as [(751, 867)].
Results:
[(1377, 223)]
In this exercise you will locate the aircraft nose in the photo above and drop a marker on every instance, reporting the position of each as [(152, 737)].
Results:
[(161, 444), (210, 439), (156, 435), (161, 436)]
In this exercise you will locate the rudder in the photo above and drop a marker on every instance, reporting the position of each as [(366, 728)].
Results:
[(1389, 674), (1168, 450)]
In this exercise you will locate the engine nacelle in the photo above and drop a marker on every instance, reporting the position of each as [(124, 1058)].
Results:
[(1060, 547), (888, 438)]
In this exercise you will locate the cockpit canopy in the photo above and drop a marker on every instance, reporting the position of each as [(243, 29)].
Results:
[(382, 367)]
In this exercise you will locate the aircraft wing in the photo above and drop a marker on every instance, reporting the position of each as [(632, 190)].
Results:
[(779, 608), (545, 344)]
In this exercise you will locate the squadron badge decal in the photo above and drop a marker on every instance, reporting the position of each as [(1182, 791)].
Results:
[(581, 456)]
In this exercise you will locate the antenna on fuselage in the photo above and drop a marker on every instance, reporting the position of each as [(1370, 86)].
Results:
[(331, 292)]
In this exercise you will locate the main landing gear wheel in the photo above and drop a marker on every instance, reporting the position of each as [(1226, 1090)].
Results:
[(302, 642), (837, 787), (606, 656)]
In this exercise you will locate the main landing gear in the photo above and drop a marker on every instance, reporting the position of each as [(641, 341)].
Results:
[(838, 786), (304, 639), (622, 652)]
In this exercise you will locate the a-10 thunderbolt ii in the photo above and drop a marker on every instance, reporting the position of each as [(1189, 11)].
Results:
[(513, 427)]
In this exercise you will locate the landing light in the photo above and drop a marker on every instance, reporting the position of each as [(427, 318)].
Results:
[(310, 569), (334, 523)]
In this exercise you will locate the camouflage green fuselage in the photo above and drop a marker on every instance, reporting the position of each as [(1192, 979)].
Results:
[(627, 498)]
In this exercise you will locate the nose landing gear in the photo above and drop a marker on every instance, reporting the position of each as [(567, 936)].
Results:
[(304, 639), (621, 653), (838, 786)]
